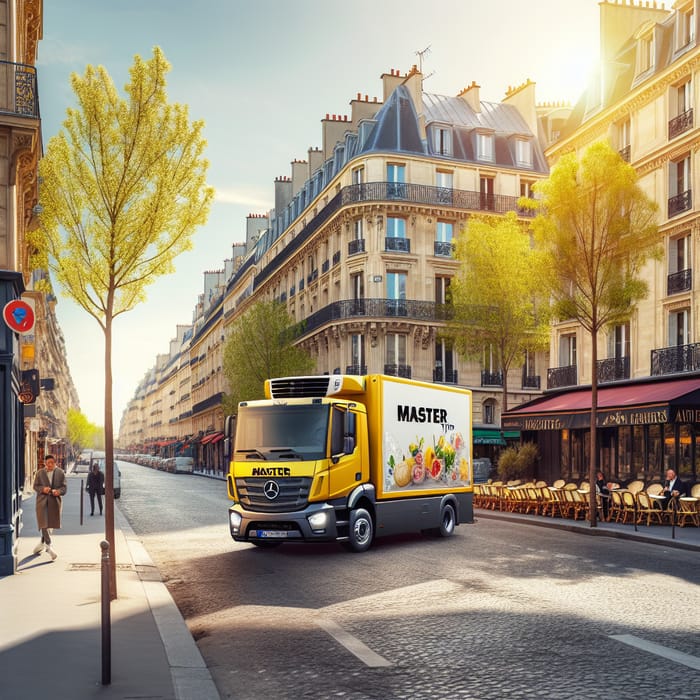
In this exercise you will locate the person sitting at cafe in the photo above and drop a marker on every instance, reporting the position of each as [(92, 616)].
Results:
[(673, 489)]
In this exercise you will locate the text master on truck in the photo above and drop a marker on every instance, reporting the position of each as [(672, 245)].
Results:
[(348, 458)]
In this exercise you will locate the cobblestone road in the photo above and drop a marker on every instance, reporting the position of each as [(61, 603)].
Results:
[(498, 611)]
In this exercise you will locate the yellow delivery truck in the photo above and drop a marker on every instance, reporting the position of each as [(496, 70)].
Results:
[(349, 458)]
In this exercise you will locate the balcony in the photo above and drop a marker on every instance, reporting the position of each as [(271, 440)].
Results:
[(626, 153), (613, 369), (531, 381), (561, 376), (446, 376), (325, 266), (356, 246), (336, 257), (680, 124), (356, 369), (23, 100), (675, 359), (397, 245), (680, 203), (398, 371), (443, 249), (491, 378), (376, 308), (311, 277), (679, 282)]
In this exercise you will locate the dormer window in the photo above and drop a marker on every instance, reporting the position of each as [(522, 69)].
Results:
[(685, 27), (442, 141), (523, 153), (484, 147), (646, 50)]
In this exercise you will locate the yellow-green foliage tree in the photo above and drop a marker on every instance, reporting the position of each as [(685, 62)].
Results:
[(124, 188), (496, 295), (81, 432), (259, 347), (597, 229)]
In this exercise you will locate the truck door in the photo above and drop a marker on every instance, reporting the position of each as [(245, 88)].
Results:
[(346, 468)]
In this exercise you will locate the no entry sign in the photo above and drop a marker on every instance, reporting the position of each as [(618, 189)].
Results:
[(19, 316)]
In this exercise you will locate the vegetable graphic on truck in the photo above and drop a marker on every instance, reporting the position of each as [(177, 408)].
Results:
[(349, 458)]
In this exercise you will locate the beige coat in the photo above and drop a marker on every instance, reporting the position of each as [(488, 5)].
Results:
[(48, 507)]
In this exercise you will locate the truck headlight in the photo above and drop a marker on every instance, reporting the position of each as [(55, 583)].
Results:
[(235, 520), (318, 521)]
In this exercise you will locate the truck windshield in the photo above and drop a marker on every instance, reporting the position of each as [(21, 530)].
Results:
[(282, 431)]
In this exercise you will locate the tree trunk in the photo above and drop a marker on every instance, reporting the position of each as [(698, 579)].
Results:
[(593, 462), (109, 451)]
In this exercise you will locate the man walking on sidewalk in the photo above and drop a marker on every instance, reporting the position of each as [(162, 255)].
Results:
[(50, 486)]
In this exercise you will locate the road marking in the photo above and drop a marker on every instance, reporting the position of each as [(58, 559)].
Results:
[(678, 656), (352, 644)]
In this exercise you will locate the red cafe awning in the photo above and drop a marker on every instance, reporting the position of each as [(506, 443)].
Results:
[(212, 438)]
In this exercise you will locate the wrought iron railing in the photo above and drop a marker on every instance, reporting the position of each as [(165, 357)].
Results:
[(356, 369), (398, 371), (373, 308), (397, 245), (626, 153), (491, 378), (679, 203), (675, 359), (443, 249), (680, 124), (387, 191), (530, 381), (325, 266), (356, 246), (613, 369), (446, 376), (561, 376), (679, 282), (19, 95)]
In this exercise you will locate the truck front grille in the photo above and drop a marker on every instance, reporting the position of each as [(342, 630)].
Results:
[(293, 493)]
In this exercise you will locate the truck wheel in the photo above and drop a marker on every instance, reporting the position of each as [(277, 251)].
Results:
[(361, 530), (447, 521)]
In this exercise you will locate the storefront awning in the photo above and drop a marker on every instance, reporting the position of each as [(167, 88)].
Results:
[(633, 403), (488, 437), (216, 438), (212, 438)]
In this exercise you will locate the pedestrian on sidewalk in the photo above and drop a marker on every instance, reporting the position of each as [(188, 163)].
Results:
[(95, 487), (50, 486)]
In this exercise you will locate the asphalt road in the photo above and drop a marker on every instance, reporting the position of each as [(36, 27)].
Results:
[(500, 610)]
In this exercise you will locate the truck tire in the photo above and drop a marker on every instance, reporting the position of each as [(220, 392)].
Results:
[(361, 531), (448, 521)]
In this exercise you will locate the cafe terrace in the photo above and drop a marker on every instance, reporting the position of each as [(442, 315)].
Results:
[(644, 427)]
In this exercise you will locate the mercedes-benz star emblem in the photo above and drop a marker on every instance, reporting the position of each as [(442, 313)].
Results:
[(271, 490)]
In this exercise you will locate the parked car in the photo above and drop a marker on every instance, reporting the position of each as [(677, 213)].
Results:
[(183, 465)]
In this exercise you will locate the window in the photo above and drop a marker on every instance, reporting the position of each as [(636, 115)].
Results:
[(395, 349), (395, 228), (486, 189), (619, 341), (685, 28), (484, 147), (358, 286), (442, 285), (624, 130), (443, 233), (444, 178), (444, 364), (679, 327), (489, 412), (358, 176), (357, 351), (395, 173), (442, 141), (684, 97), (357, 229), (679, 176), (567, 350), (526, 189), (396, 285), (679, 254), (645, 52), (523, 152)]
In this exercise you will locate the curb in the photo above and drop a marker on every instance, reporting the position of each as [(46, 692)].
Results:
[(190, 676), (592, 531)]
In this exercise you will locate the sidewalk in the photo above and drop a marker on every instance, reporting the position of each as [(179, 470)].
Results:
[(682, 538), (50, 637)]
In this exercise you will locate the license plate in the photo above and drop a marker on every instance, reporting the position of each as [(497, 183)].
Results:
[(270, 533)]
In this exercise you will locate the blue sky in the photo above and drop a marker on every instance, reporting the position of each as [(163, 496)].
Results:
[(262, 74)]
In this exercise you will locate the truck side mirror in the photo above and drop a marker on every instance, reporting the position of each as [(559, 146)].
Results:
[(348, 444)]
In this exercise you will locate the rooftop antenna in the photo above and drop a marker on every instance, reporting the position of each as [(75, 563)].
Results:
[(420, 55)]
